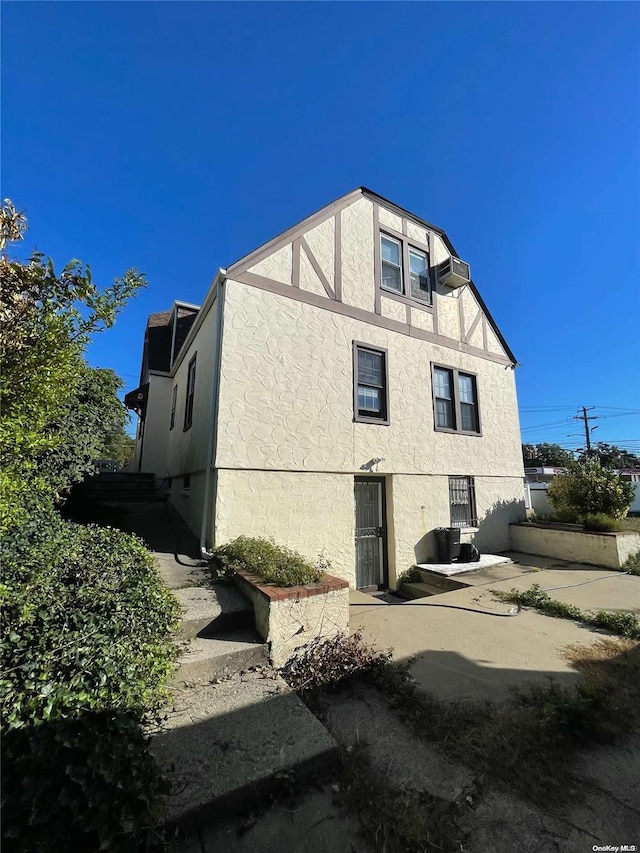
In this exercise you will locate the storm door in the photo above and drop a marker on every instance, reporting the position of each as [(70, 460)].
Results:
[(370, 532)]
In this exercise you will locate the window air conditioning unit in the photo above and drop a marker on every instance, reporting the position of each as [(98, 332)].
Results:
[(454, 273)]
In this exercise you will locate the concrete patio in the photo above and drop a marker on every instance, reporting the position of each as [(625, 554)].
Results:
[(467, 644)]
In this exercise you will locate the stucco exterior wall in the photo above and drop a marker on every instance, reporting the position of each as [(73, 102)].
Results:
[(597, 549), (357, 255), (310, 512), (321, 242), (421, 503), (314, 513), (189, 502), (276, 266), (287, 445), (187, 450), (153, 445), (286, 396), (392, 309)]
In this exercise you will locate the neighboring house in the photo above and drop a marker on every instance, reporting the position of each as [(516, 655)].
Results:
[(342, 389), (536, 483)]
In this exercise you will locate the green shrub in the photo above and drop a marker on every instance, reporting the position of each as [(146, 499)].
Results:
[(81, 784), (624, 624), (86, 651), (589, 488), (632, 564), (273, 563), (411, 575), (566, 515), (598, 521)]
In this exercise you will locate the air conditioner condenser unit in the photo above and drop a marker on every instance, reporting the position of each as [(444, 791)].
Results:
[(453, 272)]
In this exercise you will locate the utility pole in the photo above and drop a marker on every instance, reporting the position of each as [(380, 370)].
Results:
[(585, 418)]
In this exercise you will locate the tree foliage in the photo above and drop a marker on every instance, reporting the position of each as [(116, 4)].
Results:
[(538, 455), (611, 457), (588, 488), (119, 446), (47, 320), (84, 429)]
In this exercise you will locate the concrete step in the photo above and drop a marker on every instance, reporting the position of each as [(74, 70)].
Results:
[(444, 583), (208, 611), (121, 477), (205, 660), (118, 497), (223, 746), (419, 590)]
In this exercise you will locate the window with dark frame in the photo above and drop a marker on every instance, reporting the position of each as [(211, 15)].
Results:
[(391, 255), (404, 269), (371, 403), (191, 387), (174, 400), (462, 502), (455, 400)]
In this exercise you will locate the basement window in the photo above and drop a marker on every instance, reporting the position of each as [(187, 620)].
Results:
[(462, 502)]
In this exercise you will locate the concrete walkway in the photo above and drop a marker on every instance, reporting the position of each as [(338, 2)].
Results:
[(467, 644), (232, 728)]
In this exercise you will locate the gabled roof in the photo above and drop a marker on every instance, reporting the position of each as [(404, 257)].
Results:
[(253, 257)]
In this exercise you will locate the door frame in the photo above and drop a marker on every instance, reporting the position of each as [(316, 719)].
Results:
[(382, 480)]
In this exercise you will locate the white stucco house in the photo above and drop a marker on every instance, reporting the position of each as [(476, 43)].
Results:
[(342, 389)]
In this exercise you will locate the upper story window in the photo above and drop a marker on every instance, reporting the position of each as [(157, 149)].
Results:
[(455, 401), (391, 253), (370, 384), (191, 388), (404, 268), (174, 400)]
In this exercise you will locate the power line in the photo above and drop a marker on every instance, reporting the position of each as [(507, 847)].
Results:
[(554, 408), (548, 424)]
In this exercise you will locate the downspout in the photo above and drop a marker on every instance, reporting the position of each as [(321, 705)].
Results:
[(210, 479)]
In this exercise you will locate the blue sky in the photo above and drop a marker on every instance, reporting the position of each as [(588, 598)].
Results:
[(176, 137)]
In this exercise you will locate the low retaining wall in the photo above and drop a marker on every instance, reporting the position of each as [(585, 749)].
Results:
[(609, 550), (290, 617)]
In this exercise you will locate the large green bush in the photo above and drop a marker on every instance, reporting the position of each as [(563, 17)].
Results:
[(588, 488), (86, 651), (273, 563)]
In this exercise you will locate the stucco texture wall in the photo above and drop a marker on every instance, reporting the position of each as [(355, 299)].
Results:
[(156, 428), (190, 502), (286, 396), (421, 503), (314, 513), (187, 450), (310, 512)]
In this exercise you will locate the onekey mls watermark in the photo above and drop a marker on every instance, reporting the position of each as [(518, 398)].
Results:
[(614, 848)]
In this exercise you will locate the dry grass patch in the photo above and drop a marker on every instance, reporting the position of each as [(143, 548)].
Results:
[(527, 744), (396, 820)]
